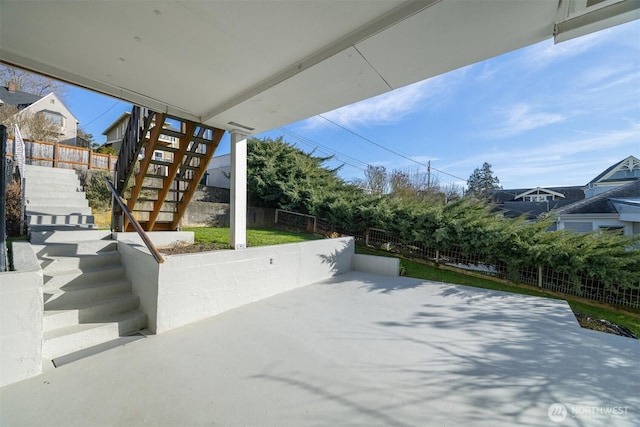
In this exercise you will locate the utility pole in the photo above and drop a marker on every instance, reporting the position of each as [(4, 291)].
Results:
[(429, 175)]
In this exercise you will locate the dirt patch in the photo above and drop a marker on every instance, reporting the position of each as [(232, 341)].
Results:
[(189, 249), (603, 326)]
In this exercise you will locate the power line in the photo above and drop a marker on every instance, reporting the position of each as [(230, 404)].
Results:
[(327, 150), (388, 149), (316, 145), (102, 114)]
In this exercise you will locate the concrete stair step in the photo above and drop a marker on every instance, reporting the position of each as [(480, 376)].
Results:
[(70, 249), (69, 236), (55, 177), (79, 276), (78, 294), (70, 219), (31, 168), (58, 173), (53, 228), (38, 183), (61, 341), (41, 186), (51, 263), (64, 311), (47, 235), (58, 210), (52, 200)]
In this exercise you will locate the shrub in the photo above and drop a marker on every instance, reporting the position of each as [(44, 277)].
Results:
[(96, 190), (14, 199)]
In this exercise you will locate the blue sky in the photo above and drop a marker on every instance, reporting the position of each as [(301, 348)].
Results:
[(545, 115)]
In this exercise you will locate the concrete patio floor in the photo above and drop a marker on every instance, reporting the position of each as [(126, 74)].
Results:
[(356, 350)]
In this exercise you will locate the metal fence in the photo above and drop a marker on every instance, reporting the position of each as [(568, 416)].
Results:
[(296, 220), (540, 276)]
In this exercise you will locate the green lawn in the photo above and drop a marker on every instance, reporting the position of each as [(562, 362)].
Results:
[(220, 237), (628, 318)]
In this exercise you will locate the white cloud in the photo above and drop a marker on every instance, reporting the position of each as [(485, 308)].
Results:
[(545, 53), (520, 118), (563, 161), (394, 106), (387, 108)]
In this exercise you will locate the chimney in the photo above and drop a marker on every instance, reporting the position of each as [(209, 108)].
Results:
[(11, 87)]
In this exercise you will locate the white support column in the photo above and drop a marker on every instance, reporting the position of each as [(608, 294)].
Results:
[(238, 191)]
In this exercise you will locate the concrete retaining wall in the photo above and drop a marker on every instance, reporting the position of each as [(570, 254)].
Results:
[(375, 264), (21, 309), (142, 271), (192, 287)]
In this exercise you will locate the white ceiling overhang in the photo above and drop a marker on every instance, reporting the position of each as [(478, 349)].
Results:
[(257, 65)]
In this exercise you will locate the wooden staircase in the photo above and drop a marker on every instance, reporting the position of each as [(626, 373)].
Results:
[(164, 157)]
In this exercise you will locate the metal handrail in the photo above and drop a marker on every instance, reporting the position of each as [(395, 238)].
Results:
[(145, 238)]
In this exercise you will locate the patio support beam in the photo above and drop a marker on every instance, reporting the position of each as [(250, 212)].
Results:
[(238, 190)]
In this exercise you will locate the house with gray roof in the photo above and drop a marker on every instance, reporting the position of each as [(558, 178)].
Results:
[(532, 202), (50, 106), (612, 202), (615, 175), (10, 96)]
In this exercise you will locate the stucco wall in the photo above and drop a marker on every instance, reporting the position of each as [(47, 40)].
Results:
[(21, 309), (192, 287)]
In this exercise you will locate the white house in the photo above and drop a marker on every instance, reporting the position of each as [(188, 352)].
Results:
[(612, 203), (615, 175), (219, 171), (50, 106), (116, 131)]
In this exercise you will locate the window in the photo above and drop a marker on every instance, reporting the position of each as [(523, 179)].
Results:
[(626, 173), (580, 227), (539, 198), (54, 117)]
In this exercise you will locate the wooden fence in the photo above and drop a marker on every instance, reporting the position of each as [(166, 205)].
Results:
[(53, 154)]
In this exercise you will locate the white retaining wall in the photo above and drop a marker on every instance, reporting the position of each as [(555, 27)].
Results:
[(142, 271), (192, 287), (21, 310), (384, 266)]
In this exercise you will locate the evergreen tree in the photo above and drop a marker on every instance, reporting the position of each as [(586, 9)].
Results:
[(482, 181), (282, 176)]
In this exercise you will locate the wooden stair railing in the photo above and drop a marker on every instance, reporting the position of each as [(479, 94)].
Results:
[(172, 163)]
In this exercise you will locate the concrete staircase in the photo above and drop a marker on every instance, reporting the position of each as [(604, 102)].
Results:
[(55, 201), (87, 297)]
